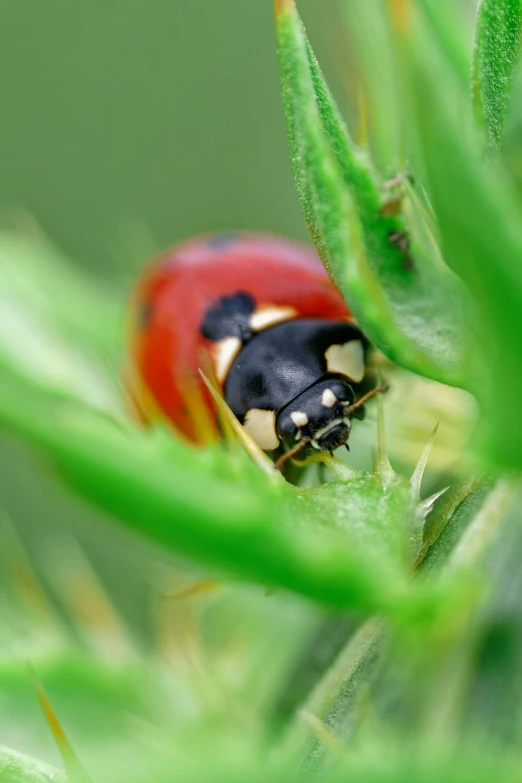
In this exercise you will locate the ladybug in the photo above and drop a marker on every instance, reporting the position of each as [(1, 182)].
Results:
[(262, 316)]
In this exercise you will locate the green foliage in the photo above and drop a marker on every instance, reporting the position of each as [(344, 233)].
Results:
[(15, 768), (394, 287), (496, 57), (477, 209), (387, 645), (245, 523)]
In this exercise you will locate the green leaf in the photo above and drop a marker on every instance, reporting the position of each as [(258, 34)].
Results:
[(449, 24), (454, 515), (396, 291), (334, 695), (369, 35), (37, 274), (58, 327), (493, 700), (217, 509), (16, 768), (379, 120), (319, 654), (496, 57), (375, 519), (478, 212)]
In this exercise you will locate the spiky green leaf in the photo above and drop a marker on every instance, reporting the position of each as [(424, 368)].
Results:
[(496, 57), (394, 287)]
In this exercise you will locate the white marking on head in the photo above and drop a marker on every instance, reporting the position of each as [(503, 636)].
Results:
[(224, 352), (268, 315), (299, 418), (347, 359), (330, 426), (328, 399), (260, 425)]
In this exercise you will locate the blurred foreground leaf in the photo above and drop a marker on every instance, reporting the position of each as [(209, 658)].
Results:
[(218, 509), (478, 212), (36, 274), (58, 327)]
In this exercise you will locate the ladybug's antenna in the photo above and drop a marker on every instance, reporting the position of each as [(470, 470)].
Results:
[(289, 454), (365, 398)]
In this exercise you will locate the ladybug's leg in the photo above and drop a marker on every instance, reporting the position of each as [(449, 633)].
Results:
[(289, 469), (353, 409), (292, 472), (360, 414)]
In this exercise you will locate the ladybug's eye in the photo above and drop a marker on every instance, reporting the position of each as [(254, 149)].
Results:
[(286, 427), (343, 391)]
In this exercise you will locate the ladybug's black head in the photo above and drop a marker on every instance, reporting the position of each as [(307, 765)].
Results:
[(318, 415)]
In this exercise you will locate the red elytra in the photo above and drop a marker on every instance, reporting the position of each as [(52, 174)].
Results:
[(175, 291)]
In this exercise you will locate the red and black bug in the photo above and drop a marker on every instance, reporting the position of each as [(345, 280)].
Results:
[(264, 316)]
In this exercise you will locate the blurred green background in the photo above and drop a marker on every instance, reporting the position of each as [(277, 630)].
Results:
[(127, 126)]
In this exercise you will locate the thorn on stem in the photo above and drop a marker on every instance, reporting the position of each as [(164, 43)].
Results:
[(383, 467), (416, 479), (73, 767)]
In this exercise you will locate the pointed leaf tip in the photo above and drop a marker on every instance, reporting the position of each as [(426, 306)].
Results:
[(416, 479), (430, 502), (283, 5), (73, 767), (383, 467)]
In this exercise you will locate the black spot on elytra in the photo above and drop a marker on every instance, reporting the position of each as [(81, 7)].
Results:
[(218, 241), (229, 317)]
